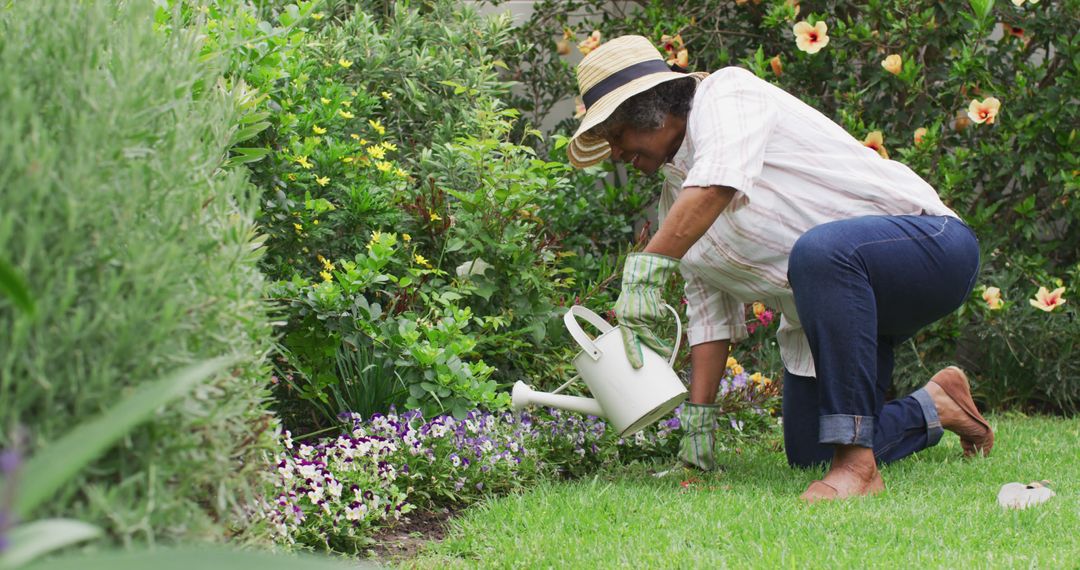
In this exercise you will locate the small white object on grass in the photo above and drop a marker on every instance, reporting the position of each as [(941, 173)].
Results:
[(1021, 496)]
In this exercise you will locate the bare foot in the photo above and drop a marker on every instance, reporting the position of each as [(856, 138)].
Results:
[(951, 393), (853, 473)]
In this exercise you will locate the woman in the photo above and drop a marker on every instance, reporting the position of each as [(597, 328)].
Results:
[(767, 199)]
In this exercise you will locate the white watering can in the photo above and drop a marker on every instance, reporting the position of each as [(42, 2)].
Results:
[(629, 398)]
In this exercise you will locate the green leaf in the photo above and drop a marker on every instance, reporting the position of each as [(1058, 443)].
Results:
[(12, 286), (201, 556), (61, 460), (32, 540), (982, 8), (249, 132), (246, 155)]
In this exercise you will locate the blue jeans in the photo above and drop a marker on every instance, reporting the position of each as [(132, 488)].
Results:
[(862, 286)]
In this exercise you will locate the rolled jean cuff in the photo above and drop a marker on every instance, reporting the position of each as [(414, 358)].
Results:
[(840, 429), (929, 412)]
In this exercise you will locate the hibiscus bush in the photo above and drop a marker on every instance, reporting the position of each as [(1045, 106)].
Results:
[(977, 97)]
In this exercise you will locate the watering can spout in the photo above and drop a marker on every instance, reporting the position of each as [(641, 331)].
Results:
[(523, 396)]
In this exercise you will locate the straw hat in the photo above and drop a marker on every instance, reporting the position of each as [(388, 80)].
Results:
[(609, 75)]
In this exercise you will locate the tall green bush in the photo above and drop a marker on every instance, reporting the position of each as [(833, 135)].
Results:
[(141, 253), (404, 214)]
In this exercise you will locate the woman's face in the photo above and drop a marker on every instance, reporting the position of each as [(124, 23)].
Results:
[(646, 149)]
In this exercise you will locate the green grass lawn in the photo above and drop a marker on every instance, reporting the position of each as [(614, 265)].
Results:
[(938, 511)]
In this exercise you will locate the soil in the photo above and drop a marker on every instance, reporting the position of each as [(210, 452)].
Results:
[(404, 540)]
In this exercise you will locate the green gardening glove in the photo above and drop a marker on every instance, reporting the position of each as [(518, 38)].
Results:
[(698, 422), (640, 306)]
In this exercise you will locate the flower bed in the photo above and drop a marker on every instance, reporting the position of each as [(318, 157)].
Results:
[(331, 494)]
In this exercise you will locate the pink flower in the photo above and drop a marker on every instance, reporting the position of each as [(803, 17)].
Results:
[(1048, 300), (984, 111), (876, 141), (811, 38), (766, 317), (992, 296)]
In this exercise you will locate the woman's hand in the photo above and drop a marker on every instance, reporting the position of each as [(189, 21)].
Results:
[(640, 306)]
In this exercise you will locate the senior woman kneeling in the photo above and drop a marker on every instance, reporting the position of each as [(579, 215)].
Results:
[(766, 199)]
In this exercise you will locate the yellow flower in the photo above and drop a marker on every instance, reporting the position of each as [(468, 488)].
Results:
[(326, 263), (434, 217), (677, 54), (384, 166), (298, 227), (322, 180), (919, 134), (737, 369), (317, 16), (984, 111), (291, 176), (326, 276), (731, 362), (345, 114), (377, 126), (992, 296), (376, 151), (389, 146), (315, 221), (1048, 300), (303, 161), (590, 43), (347, 103), (387, 95), (421, 261), (325, 101), (406, 238), (401, 173), (347, 159), (759, 308), (355, 137), (893, 64), (876, 141), (811, 38), (318, 130), (344, 63)]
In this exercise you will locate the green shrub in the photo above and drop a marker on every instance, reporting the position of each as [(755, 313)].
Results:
[(141, 253), (404, 217)]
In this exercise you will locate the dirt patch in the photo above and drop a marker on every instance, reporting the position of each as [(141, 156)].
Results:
[(402, 541)]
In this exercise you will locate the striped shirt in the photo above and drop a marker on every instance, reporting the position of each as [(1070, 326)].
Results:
[(793, 169)]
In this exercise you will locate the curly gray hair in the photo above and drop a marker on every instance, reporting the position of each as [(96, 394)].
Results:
[(647, 109)]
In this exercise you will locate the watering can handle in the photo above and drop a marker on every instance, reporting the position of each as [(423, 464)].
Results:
[(583, 340), (603, 326)]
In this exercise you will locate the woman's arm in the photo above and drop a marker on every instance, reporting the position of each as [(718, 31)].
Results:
[(693, 212), (709, 360)]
